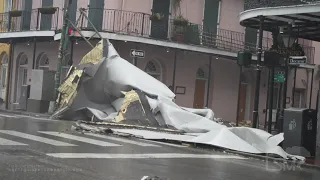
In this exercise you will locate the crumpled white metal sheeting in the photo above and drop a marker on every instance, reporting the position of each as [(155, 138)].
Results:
[(122, 75)]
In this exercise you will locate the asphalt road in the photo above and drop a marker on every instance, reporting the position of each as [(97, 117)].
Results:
[(37, 149)]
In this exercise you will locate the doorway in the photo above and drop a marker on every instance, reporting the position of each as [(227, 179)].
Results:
[(22, 75), (200, 89), (199, 93), (3, 78)]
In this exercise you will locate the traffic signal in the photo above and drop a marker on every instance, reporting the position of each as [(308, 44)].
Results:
[(272, 58), (70, 32), (244, 58)]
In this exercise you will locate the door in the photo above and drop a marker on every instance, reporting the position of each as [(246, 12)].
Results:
[(159, 29), (96, 8), (199, 93), (73, 11), (242, 102), (3, 80), (46, 19), (210, 22), (22, 81)]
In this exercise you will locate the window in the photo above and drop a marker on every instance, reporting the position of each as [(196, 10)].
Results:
[(4, 67), (43, 62), (23, 66), (153, 69), (200, 73), (299, 98), (25, 76), (3, 76)]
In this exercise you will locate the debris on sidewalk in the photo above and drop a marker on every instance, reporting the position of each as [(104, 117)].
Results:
[(113, 96)]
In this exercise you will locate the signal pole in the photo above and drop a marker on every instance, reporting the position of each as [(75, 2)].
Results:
[(258, 76), (61, 54)]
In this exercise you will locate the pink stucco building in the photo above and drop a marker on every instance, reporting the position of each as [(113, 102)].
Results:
[(197, 61)]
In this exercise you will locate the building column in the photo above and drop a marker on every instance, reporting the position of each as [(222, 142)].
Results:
[(209, 80), (34, 53), (174, 70), (9, 79)]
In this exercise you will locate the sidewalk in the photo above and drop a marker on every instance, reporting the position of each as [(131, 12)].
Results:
[(25, 113)]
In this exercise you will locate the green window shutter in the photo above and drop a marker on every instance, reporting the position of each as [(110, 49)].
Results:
[(210, 21), (73, 11), (159, 29), (46, 19), (96, 9), (26, 15)]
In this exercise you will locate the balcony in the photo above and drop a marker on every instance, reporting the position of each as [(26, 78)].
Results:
[(253, 4), (141, 25), (302, 15), (32, 20)]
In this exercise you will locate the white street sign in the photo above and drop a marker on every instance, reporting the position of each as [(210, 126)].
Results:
[(137, 53), (297, 60)]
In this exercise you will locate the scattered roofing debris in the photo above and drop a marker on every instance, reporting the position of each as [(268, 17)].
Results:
[(111, 95)]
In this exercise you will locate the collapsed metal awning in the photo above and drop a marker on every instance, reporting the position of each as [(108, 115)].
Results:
[(305, 19)]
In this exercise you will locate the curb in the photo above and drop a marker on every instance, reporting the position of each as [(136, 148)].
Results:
[(247, 155), (25, 113), (256, 156)]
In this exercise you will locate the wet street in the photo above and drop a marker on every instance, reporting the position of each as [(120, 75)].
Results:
[(37, 148)]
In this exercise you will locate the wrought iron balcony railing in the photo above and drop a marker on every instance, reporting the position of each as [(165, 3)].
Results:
[(141, 25), (29, 21), (253, 4)]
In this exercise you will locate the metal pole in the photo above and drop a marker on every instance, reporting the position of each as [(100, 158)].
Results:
[(284, 98), (294, 86), (174, 70), (61, 54), (312, 74), (257, 90), (71, 53), (34, 53), (279, 104), (135, 59), (267, 102), (271, 100), (238, 103), (209, 80), (9, 73)]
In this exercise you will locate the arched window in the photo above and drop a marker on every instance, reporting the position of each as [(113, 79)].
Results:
[(43, 62), (154, 69), (23, 60), (23, 69), (202, 74)]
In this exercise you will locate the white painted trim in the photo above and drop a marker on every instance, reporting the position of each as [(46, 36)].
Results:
[(280, 10), (36, 138), (219, 15), (141, 156), (122, 37), (123, 140), (6, 142), (27, 34), (81, 139)]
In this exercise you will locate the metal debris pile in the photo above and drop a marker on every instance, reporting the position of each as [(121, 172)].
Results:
[(111, 95)]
